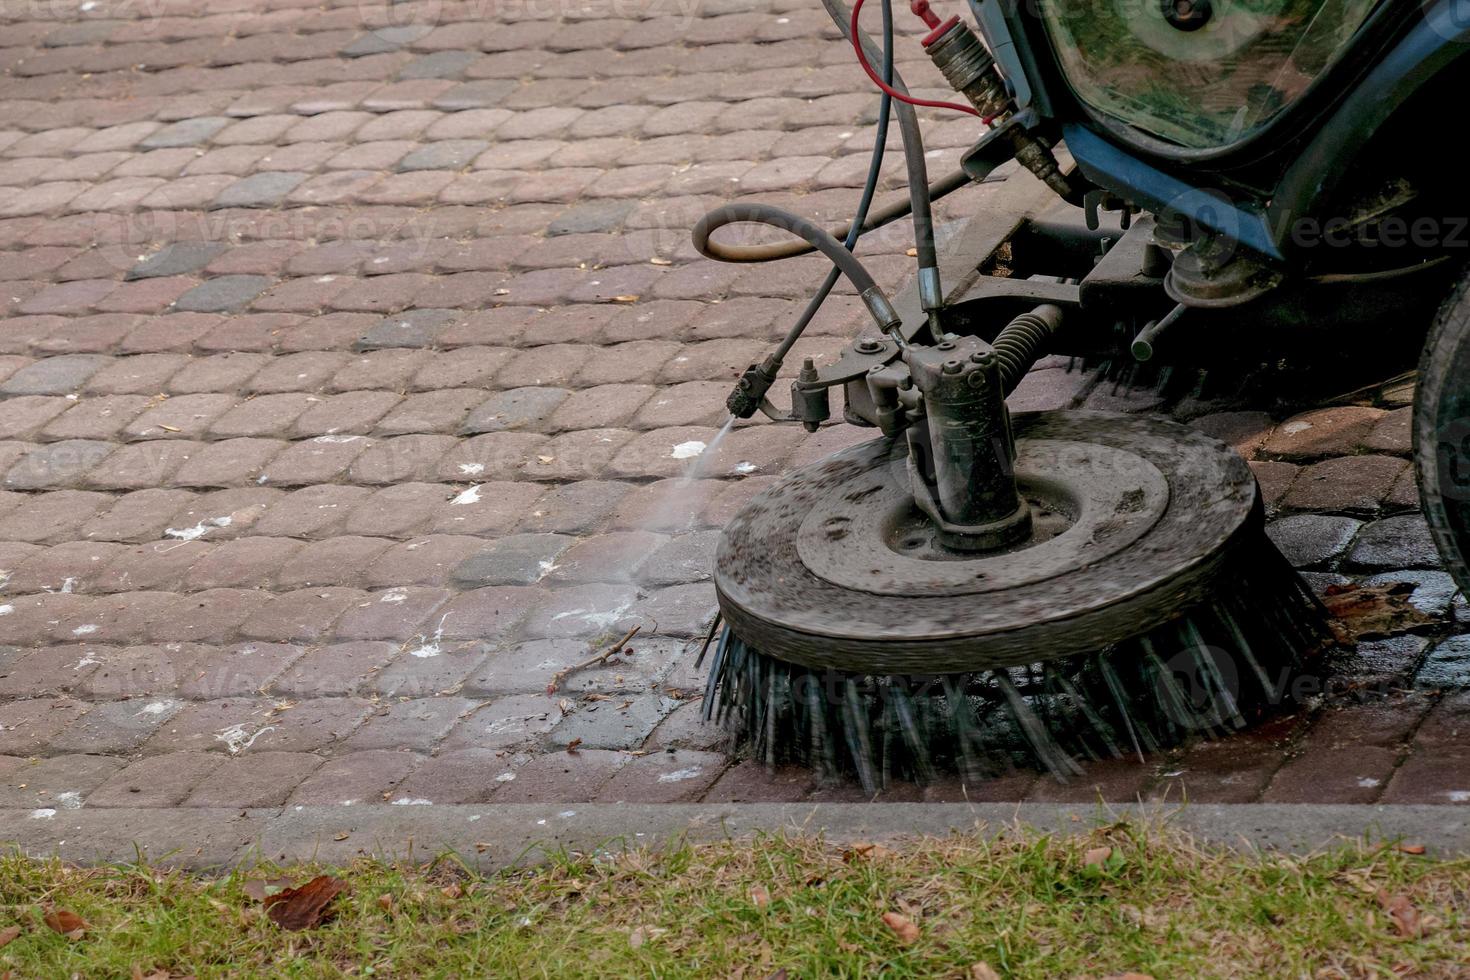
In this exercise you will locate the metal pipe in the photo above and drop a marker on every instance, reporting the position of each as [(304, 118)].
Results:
[(1143, 344)]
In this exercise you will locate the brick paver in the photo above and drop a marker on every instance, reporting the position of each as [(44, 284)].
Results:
[(344, 353)]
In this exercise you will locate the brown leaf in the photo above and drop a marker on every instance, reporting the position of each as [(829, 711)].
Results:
[(902, 927), (983, 971), (1129, 976), (866, 852), (759, 897), (9, 935), (1361, 612), (66, 922), (1096, 855), (1403, 913), (451, 890), (1412, 848), (304, 907), (385, 902), (572, 745), (341, 835)]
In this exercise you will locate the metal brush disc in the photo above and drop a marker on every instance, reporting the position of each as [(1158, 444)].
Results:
[(834, 567)]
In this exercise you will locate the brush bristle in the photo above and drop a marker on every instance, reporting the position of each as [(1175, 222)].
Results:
[(1214, 669)]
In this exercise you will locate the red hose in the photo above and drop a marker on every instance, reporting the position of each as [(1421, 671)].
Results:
[(857, 45)]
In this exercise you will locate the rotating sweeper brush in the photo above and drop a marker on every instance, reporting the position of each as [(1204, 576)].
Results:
[(974, 590)]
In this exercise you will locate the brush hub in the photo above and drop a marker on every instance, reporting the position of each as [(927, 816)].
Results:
[(1133, 519), (1087, 503)]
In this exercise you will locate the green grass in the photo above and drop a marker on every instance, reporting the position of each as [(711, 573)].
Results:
[(1025, 905)]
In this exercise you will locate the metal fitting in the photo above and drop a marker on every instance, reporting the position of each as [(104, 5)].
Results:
[(931, 296)]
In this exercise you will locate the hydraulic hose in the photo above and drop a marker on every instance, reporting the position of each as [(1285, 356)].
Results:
[(1023, 340), (885, 215), (814, 235), (865, 202)]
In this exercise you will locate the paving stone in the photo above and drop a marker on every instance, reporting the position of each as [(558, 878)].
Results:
[(185, 132), (1393, 659), (54, 375), (1447, 666), (238, 670), (613, 724), (414, 328), (356, 778), (58, 783), (57, 464), (335, 669), (687, 558), (223, 294), (1433, 591), (262, 190), (1323, 432), (518, 408), (162, 780), (1395, 542), (567, 777), (464, 776), (518, 559), (418, 724), (1311, 539), (176, 259), (443, 155), (680, 776), (27, 726), (260, 779), (1355, 484)]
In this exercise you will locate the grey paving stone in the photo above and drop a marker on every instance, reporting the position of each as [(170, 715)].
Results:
[(444, 155), (116, 727), (385, 39), (262, 190), (222, 294), (418, 724), (1433, 591), (1391, 657), (518, 408), (1311, 539), (176, 259), (59, 375), (475, 95), (440, 64), (1395, 542), (613, 724), (687, 558), (518, 559), (57, 464), (1447, 666), (185, 132), (596, 216), (415, 328)]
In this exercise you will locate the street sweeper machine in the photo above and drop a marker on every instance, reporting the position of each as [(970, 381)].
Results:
[(1205, 195)]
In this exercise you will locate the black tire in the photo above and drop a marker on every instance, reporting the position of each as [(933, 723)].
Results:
[(1442, 432)]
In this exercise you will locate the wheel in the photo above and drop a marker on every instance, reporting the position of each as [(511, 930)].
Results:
[(1442, 432)]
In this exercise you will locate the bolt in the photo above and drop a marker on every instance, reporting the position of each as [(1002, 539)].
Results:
[(868, 346), (984, 358), (945, 345), (954, 366)]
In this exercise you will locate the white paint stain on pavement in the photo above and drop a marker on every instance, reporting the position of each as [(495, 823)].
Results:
[(679, 775), (198, 530), (687, 450), (237, 740), (470, 496)]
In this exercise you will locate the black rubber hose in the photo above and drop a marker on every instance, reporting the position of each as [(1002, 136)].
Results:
[(865, 202), (809, 231), (885, 215), (1023, 340)]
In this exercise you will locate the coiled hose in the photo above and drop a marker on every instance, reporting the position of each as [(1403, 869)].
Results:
[(1023, 340)]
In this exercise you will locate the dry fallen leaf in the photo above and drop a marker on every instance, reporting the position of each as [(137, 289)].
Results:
[(983, 971), (1412, 848), (759, 897), (1096, 856), (304, 907), (902, 927), (1403, 913), (262, 888), (643, 934), (341, 835), (626, 298), (8, 935), (1361, 612), (572, 745), (451, 890), (1129, 976), (385, 902), (866, 852), (66, 922)]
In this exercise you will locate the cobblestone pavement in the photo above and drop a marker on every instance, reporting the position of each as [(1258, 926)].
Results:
[(351, 361)]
